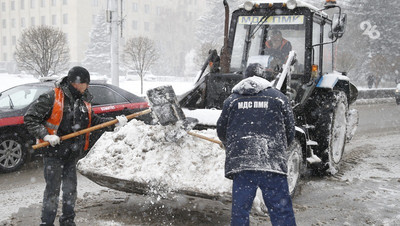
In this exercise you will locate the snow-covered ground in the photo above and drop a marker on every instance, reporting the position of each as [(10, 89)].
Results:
[(365, 192)]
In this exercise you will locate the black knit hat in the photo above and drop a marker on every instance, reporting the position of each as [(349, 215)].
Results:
[(254, 69), (78, 74)]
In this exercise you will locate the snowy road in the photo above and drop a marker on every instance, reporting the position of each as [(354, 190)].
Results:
[(365, 192)]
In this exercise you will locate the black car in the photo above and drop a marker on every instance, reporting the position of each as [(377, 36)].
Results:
[(16, 142)]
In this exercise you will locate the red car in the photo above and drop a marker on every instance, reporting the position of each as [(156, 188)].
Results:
[(16, 142)]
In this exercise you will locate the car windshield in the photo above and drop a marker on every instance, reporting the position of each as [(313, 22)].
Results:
[(20, 96), (277, 34)]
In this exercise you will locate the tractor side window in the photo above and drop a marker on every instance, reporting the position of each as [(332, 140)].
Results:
[(237, 52), (328, 51), (316, 40)]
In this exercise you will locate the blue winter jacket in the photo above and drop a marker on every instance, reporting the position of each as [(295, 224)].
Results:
[(256, 125)]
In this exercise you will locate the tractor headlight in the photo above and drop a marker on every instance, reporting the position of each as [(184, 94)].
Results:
[(248, 6), (291, 4)]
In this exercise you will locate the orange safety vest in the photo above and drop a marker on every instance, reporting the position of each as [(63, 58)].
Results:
[(284, 41), (53, 122)]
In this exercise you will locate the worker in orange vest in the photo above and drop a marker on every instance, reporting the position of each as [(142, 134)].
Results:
[(61, 111), (277, 46)]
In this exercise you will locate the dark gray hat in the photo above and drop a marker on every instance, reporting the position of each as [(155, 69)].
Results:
[(78, 74), (254, 69)]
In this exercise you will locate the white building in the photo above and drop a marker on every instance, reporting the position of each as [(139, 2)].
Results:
[(170, 23)]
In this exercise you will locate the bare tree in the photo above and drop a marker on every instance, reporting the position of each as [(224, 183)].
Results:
[(380, 66), (140, 54), (42, 51)]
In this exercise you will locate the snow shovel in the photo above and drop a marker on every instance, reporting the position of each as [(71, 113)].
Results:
[(166, 110), (93, 128)]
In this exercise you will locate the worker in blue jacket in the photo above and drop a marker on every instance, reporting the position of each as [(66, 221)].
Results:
[(256, 127)]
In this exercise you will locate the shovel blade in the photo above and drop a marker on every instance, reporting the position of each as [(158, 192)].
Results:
[(181, 129), (164, 104)]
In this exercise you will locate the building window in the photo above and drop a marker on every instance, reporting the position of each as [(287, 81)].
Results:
[(13, 23), (157, 28), (12, 5), (42, 3), (23, 22), (146, 26), (53, 20), (146, 9), (3, 6), (53, 2), (4, 56), (95, 3), (65, 2), (22, 3), (43, 20), (134, 25), (4, 23), (134, 7), (32, 4), (65, 18), (4, 40), (159, 11), (14, 40), (33, 22)]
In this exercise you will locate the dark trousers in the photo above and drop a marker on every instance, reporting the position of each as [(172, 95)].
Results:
[(57, 172), (275, 193)]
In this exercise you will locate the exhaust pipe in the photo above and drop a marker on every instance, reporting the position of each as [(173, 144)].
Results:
[(224, 52)]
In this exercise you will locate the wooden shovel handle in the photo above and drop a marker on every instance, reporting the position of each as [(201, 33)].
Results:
[(205, 138), (93, 128)]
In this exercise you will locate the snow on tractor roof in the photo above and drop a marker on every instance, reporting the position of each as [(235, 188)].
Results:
[(299, 4)]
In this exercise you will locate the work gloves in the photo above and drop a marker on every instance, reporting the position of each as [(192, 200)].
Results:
[(122, 120), (52, 139)]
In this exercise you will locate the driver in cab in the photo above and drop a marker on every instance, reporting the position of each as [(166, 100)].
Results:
[(277, 46)]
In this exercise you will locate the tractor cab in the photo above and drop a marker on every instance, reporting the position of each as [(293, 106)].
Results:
[(265, 32)]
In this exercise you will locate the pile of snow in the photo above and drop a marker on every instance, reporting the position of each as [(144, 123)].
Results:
[(142, 153)]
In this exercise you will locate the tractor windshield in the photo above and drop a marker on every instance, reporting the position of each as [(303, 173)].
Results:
[(270, 43)]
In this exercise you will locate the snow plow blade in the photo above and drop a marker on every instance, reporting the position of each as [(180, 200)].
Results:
[(140, 159), (144, 189)]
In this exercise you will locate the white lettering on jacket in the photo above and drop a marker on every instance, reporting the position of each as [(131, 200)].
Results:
[(252, 104)]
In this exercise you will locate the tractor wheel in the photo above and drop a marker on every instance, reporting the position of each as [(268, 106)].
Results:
[(12, 154), (295, 166), (331, 131)]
